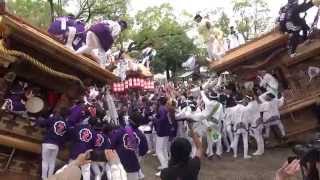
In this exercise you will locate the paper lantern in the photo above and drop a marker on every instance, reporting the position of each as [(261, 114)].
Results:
[(142, 83), (122, 87), (126, 84), (130, 83), (138, 82)]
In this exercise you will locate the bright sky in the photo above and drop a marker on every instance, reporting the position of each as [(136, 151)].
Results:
[(194, 6)]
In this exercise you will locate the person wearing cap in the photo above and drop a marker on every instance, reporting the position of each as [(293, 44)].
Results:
[(130, 142), (268, 82), (240, 128), (69, 30), (269, 106), (101, 36), (56, 129)]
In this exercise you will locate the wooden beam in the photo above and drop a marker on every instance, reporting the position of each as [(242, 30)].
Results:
[(250, 49), (55, 49)]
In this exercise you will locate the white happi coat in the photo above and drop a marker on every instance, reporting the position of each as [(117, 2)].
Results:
[(235, 40), (239, 116), (271, 108), (253, 113), (270, 83)]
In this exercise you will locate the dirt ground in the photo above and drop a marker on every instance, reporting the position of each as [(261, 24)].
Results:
[(228, 168)]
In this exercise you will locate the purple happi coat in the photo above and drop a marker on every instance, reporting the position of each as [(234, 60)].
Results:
[(82, 138), (129, 142), (102, 31), (58, 28)]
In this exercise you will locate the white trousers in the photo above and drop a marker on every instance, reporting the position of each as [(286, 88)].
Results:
[(85, 170), (49, 156), (150, 141), (98, 168), (162, 150), (133, 176), (226, 142), (235, 143), (257, 134), (92, 43), (277, 123), (210, 143)]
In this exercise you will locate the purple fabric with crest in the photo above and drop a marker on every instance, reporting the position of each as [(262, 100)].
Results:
[(102, 31), (56, 129), (82, 138), (129, 142)]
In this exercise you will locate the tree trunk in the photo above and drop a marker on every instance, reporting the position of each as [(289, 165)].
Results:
[(168, 72), (51, 9)]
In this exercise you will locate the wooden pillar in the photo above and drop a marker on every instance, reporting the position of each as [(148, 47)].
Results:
[(2, 6)]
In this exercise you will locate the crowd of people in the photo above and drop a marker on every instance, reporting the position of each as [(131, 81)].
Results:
[(171, 122)]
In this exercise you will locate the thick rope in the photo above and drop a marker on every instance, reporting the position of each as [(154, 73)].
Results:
[(38, 64)]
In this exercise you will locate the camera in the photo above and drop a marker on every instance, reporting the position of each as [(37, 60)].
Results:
[(309, 156)]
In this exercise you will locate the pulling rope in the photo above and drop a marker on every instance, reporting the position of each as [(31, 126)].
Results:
[(38, 64)]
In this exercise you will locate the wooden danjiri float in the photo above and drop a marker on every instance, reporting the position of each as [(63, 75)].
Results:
[(269, 53), (35, 57)]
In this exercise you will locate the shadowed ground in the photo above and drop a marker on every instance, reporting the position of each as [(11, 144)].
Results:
[(227, 168)]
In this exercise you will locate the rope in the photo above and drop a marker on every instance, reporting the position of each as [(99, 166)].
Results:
[(38, 64)]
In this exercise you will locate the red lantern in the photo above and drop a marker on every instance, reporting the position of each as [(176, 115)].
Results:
[(130, 82), (142, 83), (126, 84), (138, 82), (122, 87)]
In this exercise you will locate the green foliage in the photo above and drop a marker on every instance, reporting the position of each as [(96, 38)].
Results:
[(158, 25), (34, 11), (252, 17)]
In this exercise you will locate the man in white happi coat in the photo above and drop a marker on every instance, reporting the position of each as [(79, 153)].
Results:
[(268, 82), (271, 115), (214, 132), (254, 118), (200, 117), (240, 128), (234, 39)]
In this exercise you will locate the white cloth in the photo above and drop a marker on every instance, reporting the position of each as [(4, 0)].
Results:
[(235, 142), (133, 176), (271, 108), (85, 170), (116, 171), (215, 49), (277, 123), (190, 63), (235, 40), (252, 113), (270, 83), (162, 151), (49, 156), (98, 168)]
